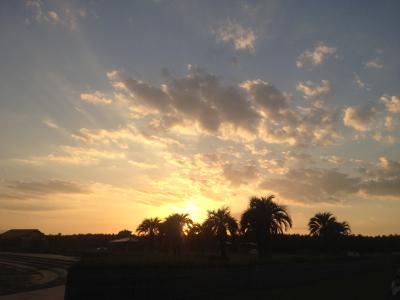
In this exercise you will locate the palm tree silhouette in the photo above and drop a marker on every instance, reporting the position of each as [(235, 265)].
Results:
[(220, 223), (326, 225), (173, 230), (149, 227), (263, 219), (198, 237)]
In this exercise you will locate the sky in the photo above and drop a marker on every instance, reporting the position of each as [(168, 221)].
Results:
[(116, 111)]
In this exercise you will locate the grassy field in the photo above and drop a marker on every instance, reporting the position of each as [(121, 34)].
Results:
[(12, 279), (191, 277)]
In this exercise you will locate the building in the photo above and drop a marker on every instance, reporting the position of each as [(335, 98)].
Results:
[(23, 240), (126, 245)]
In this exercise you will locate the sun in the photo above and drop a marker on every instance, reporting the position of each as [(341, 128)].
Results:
[(196, 212)]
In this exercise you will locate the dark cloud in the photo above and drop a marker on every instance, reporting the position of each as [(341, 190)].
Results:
[(197, 97), (255, 106), (382, 187), (327, 185), (313, 185), (34, 189), (271, 101), (361, 117), (31, 207), (152, 97), (240, 174), (383, 180)]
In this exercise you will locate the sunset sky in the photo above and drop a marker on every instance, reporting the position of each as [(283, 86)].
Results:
[(113, 111)]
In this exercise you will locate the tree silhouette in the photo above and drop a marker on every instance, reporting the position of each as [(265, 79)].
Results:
[(198, 236), (124, 233), (325, 225), (221, 223), (150, 228), (263, 219), (173, 230)]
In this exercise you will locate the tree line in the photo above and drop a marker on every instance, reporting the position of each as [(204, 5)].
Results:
[(260, 223)]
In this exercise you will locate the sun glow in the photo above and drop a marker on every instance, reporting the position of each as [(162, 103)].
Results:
[(192, 207)]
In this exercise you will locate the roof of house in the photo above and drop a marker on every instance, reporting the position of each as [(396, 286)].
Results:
[(125, 240), (18, 233)]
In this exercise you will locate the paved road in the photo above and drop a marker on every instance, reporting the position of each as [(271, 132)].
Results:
[(25, 272)]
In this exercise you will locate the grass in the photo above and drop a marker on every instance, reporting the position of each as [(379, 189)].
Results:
[(12, 279), (369, 285), (242, 277)]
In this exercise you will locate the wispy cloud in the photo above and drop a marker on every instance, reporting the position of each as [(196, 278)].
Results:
[(358, 82), (242, 38), (96, 97), (375, 63), (44, 188), (311, 89), (315, 56), (67, 17), (50, 124)]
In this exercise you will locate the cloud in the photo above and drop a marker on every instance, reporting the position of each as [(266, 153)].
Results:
[(386, 138), (41, 14), (149, 134), (78, 156), (333, 159), (50, 124), (266, 96), (362, 117), (311, 89), (332, 185), (199, 103), (96, 98), (240, 174), (142, 165), (313, 185), (240, 37), (290, 125), (303, 126), (385, 168), (53, 17), (32, 207), (315, 56), (47, 195), (392, 103), (376, 120), (35, 189), (199, 97), (382, 187), (375, 63), (384, 180), (119, 136), (358, 82)]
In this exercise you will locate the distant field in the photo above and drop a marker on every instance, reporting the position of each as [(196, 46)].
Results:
[(21, 272), (281, 277), (12, 279)]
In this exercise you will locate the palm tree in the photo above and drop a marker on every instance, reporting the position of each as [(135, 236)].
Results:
[(263, 219), (196, 237), (326, 226), (220, 223), (173, 230), (150, 228)]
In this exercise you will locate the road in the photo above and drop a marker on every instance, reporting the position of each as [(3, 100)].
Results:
[(28, 275)]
